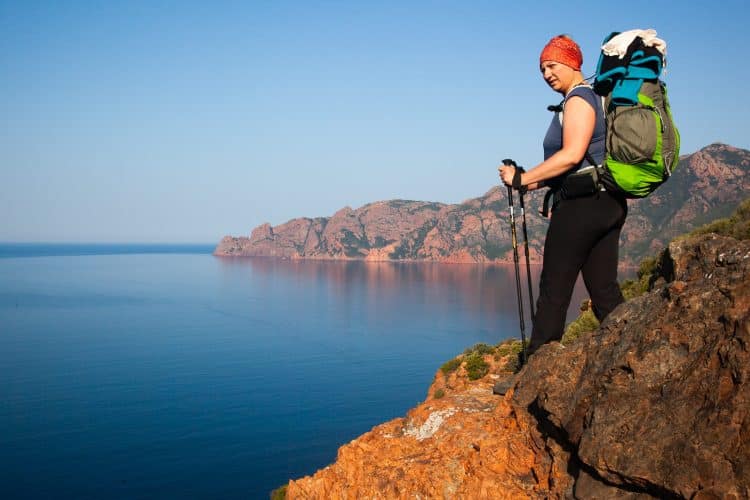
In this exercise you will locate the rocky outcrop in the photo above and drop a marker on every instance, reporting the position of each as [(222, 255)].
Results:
[(462, 442), (706, 185), (654, 404), (388, 230), (658, 400)]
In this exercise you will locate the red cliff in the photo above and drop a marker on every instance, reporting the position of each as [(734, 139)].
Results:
[(706, 185)]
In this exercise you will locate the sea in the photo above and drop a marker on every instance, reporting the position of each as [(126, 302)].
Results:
[(162, 371)]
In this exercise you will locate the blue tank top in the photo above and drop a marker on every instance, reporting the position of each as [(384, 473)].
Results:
[(554, 138)]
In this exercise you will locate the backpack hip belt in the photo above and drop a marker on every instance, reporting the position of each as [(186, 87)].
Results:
[(583, 182)]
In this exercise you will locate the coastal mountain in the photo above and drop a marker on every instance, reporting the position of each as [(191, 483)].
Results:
[(653, 404), (707, 184)]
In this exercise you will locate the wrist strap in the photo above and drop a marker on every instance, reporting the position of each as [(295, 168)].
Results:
[(517, 178)]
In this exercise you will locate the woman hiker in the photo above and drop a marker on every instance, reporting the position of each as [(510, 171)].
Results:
[(584, 229)]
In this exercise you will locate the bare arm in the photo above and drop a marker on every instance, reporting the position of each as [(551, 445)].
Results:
[(578, 128)]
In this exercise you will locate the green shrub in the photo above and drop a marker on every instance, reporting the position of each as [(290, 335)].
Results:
[(439, 393), (586, 322), (630, 289), (719, 226), (480, 349), (279, 493), (476, 366), (507, 347), (634, 288), (647, 267), (450, 366), (736, 225)]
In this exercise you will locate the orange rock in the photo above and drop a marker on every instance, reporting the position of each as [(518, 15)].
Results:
[(468, 443)]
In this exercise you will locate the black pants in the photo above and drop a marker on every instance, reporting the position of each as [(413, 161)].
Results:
[(583, 236)]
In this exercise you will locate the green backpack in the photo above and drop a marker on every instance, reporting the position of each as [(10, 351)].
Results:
[(642, 141)]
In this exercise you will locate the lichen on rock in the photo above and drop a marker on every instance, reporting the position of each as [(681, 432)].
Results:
[(430, 426)]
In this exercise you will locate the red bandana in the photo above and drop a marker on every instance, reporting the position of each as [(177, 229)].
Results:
[(563, 50)]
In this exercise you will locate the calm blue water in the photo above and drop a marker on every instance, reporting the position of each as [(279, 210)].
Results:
[(158, 371)]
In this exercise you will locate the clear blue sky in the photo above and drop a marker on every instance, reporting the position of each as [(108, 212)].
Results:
[(186, 121)]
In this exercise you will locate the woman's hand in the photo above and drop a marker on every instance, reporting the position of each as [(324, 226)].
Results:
[(506, 174)]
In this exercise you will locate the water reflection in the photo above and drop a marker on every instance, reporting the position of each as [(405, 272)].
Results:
[(472, 288)]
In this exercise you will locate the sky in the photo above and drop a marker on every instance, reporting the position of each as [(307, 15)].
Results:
[(183, 122)]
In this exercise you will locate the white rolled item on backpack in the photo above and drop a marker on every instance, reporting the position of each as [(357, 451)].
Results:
[(618, 45)]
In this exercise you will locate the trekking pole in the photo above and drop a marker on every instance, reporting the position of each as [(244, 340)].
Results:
[(514, 242), (526, 248)]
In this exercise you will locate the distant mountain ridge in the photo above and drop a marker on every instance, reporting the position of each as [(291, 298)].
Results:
[(706, 185)]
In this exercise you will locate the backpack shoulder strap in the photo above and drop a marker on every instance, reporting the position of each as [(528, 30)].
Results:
[(560, 107)]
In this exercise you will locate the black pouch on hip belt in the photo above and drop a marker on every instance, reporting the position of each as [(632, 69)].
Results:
[(584, 182)]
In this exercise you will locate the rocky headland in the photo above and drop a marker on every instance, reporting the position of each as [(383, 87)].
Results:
[(707, 184), (655, 403)]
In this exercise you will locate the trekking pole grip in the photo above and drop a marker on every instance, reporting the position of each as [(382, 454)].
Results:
[(510, 163), (516, 184)]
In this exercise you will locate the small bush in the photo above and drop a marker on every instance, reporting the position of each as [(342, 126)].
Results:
[(512, 346), (719, 226), (279, 493), (480, 349), (586, 322), (450, 366), (647, 267), (630, 289), (476, 366), (736, 225), (439, 393)]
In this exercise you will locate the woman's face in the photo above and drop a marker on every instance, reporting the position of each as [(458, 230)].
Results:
[(557, 75)]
